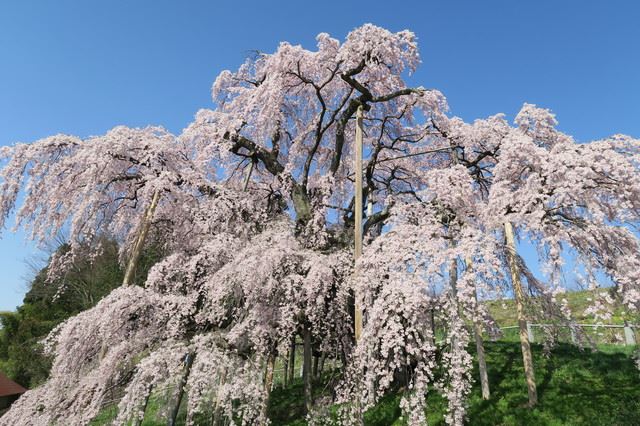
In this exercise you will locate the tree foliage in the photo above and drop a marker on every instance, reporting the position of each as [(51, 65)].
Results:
[(46, 305)]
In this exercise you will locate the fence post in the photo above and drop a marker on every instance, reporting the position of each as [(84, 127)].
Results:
[(629, 335), (573, 335), (530, 332)]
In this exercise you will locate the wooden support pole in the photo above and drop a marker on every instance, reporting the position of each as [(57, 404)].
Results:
[(306, 369), (482, 362), (358, 212), (217, 409), (285, 369), (629, 335), (173, 415), (323, 357), (316, 361), (138, 420), (477, 331), (142, 236), (522, 321), (292, 359), (530, 333), (245, 184), (268, 384), (358, 206)]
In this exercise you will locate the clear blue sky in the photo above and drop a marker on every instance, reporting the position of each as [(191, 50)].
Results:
[(83, 66)]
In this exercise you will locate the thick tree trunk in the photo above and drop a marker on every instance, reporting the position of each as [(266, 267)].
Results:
[(173, 415), (301, 204), (306, 369), (522, 322), (139, 243)]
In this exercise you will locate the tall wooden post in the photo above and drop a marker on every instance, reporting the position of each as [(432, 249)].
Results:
[(268, 385), (245, 184), (306, 369), (358, 206), (217, 410), (285, 369), (138, 420), (173, 415), (477, 331), (358, 212), (137, 250), (482, 362), (292, 359), (522, 321), (137, 246)]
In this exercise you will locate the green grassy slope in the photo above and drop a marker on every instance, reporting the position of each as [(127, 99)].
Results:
[(504, 311), (575, 388)]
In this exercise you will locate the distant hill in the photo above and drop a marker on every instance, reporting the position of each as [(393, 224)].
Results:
[(504, 311)]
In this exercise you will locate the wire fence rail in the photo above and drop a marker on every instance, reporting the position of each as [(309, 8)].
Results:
[(616, 334)]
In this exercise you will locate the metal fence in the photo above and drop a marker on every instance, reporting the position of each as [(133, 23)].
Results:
[(598, 333)]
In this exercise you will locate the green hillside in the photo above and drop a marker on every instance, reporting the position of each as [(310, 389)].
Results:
[(504, 311), (575, 388)]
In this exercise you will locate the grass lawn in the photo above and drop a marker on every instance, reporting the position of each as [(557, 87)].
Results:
[(505, 313), (574, 387)]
